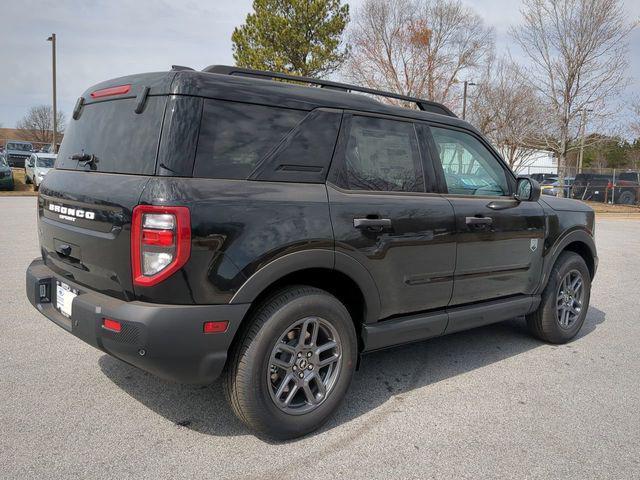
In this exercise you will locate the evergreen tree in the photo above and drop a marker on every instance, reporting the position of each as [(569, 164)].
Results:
[(299, 37)]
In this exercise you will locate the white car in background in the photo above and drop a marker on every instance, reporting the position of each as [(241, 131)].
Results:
[(37, 166)]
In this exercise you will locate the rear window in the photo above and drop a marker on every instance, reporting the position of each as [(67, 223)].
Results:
[(121, 140), (23, 147), (630, 176), (234, 137), (45, 162)]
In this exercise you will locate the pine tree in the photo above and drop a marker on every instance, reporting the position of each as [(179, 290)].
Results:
[(299, 37)]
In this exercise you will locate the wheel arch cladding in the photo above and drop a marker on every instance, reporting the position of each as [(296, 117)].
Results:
[(353, 287), (585, 252)]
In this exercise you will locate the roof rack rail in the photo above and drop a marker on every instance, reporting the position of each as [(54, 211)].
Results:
[(425, 105)]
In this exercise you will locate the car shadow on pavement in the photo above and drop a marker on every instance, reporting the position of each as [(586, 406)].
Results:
[(382, 375)]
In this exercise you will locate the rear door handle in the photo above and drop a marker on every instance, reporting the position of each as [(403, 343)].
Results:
[(479, 221), (377, 224)]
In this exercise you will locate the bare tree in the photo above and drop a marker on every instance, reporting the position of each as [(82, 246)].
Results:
[(509, 112), (635, 121), (578, 53), (37, 124), (417, 47)]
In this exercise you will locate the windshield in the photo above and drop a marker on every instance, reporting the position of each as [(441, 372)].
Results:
[(24, 147), (45, 162)]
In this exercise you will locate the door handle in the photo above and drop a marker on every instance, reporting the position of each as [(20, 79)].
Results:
[(377, 224), (479, 221)]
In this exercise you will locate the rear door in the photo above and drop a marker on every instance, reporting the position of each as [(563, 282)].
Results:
[(499, 239), (385, 216), (85, 204)]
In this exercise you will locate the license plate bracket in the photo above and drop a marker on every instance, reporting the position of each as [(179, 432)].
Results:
[(64, 298)]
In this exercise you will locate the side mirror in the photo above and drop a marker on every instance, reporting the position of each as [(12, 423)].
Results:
[(528, 190)]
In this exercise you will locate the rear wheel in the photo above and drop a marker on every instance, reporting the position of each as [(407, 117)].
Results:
[(565, 301), (293, 364), (627, 198)]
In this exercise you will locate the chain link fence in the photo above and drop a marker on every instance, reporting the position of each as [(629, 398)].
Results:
[(607, 185)]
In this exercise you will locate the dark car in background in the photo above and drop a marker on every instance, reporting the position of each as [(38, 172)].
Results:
[(625, 188), (16, 152), (543, 177), (6, 175), (552, 187), (622, 188), (590, 186)]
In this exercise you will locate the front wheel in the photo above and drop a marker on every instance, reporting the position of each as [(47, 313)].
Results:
[(565, 301), (293, 364)]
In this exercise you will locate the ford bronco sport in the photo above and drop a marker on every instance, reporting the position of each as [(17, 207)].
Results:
[(227, 222)]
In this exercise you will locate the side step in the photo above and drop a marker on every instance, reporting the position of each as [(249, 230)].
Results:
[(413, 328)]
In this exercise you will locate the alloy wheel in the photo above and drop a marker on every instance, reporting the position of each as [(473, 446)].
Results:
[(304, 365), (570, 299)]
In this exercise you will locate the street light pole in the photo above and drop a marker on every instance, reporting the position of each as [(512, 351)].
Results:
[(583, 125), (464, 97), (52, 39)]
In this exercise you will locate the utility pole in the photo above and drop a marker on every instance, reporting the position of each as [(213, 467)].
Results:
[(583, 125), (54, 143), (464, 97)]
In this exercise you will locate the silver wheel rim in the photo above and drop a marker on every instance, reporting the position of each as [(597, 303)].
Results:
[(570, 299), (304, 365)]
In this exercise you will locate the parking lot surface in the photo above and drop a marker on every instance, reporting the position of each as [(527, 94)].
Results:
[(487, 403)]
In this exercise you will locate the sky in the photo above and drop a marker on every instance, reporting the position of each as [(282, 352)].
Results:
[(102, 39)]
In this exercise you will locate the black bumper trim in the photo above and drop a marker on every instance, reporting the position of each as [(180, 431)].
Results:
[(170, 336)]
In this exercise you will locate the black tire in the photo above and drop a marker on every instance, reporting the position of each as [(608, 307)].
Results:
[(627, 198), (545, 323), (246, 380), (27, 180)]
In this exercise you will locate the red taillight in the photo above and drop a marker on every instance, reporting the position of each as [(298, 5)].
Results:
[(107, 92), (112, 325), (160, 242), (215, 327), (163, 238)]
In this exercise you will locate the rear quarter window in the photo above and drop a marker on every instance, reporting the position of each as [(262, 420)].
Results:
[(234, 137), (121, 140)]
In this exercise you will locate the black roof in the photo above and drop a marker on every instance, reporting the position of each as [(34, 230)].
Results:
[(244, 85)]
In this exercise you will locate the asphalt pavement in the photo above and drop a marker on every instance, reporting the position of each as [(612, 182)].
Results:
[(486, 403)]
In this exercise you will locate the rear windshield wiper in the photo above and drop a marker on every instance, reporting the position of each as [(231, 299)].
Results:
[(85, 159)]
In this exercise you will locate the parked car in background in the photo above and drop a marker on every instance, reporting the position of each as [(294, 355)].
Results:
[(6, 175), (16, 152), (600, 187), (37, 166), (552, 187), (625, 188), (590, 186), (542, 177)]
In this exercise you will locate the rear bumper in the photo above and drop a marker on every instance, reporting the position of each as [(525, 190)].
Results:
[(165, 340)]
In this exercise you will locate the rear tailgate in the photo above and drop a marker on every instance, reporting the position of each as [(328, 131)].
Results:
[(84, 228), (107, 156)]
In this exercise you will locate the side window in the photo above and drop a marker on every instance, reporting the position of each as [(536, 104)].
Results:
[(469, 168), (305, 154), (234, 137), (381, 155)]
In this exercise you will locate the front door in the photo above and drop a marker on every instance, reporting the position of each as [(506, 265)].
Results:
[(384, 217), (499, 239)]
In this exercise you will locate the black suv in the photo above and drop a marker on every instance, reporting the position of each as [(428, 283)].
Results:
[(229, 222)]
